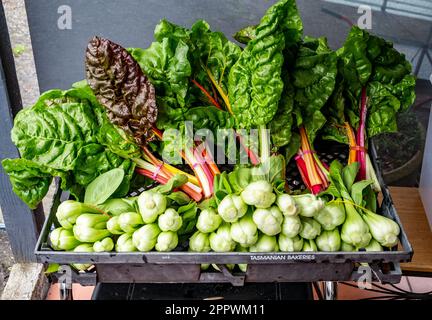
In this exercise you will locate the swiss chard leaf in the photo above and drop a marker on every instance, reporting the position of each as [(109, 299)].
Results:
[(55, 129), (62, 136), (314, 79), (207, 56), (210, 118), (213, 52), (29, 181), (246, 34), (166, 64), (165, 29), (334, 111), (255, 84), (122, 88), (372, 62), (281, 124)]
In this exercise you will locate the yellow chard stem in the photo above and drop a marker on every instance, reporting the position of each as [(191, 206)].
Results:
[(220, 90)]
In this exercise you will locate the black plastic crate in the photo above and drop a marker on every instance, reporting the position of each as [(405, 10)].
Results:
[(183, 266)]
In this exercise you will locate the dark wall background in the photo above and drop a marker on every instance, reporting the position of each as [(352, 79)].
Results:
[(59, 53)]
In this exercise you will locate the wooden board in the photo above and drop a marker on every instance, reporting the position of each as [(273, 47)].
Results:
[(410, 209)]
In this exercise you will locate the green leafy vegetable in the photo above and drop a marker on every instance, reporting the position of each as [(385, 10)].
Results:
[(104, 245), (101, 188), (314, 80), (170, 220), (175, 182), (116, 207), (29, 181), (287, 244), (166, 64), (255, 85), (125, 243), (63, 239), (259, 194), (188, 214), (145, 238), (166, 241), (62, 135), (372, 62), (246, 34), (121, 87), (281, 125)]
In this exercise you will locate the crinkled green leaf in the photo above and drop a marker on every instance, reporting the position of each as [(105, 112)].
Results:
[(334, 111), (65, 135), (314, 80), (180, 55), (209, 118), (255, 84), (166, 29), (372, 62), (55, 129), (28, 180), (166, 64), (215, 52), (281, 124)]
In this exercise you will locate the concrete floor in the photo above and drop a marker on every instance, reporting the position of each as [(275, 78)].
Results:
[(6, 259)]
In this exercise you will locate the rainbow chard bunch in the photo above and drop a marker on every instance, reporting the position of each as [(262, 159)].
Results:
[(129, 99), (374, 84)]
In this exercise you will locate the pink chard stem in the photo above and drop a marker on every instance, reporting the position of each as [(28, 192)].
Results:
[(361, 135)]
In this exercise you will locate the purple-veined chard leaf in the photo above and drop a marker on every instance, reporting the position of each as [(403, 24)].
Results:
[(121, 87)]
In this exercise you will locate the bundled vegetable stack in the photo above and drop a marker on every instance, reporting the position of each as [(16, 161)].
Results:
[(259, 217), (123, 129), (263, 218), (153, 220)]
